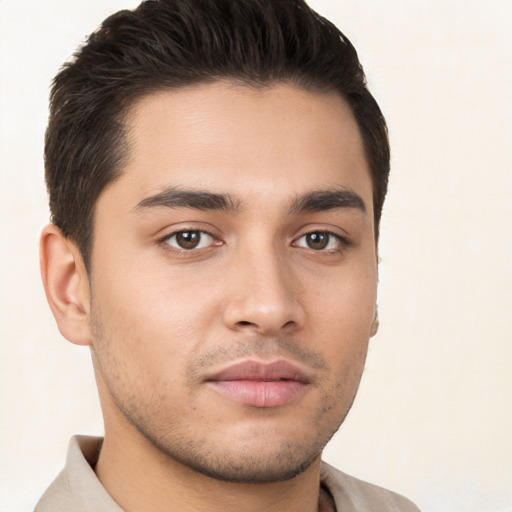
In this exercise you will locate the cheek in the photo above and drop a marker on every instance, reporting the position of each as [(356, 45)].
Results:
[(151, 318), (347, 355), (342, 304), (341, 315)]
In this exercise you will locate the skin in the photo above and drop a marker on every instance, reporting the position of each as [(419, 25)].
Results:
[(160, 319)]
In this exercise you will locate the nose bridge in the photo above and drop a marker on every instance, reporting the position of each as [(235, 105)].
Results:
[(264, 295)]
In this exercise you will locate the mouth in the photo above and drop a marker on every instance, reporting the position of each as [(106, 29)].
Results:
[(260, 384)]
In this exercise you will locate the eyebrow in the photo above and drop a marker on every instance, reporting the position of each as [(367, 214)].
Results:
[(175, 197), (315, 201), (321, 200)]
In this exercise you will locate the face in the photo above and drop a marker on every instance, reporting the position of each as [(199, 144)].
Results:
[(234, 277)]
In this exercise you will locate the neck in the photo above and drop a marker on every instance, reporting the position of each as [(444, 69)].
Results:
[(144, 479)]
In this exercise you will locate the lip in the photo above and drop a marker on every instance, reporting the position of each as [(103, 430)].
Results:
[(260, 384)]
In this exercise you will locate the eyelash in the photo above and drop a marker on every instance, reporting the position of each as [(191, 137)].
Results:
[(164, 241), (343, 243)]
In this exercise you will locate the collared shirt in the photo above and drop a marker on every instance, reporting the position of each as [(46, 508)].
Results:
[(77, 489)]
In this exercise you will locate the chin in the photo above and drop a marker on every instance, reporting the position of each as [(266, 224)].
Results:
[(273, 466), (263, 457)]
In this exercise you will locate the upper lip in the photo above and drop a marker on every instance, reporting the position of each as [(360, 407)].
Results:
[(260, 371)]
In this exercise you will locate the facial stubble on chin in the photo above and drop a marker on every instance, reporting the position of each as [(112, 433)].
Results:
[(245, 463)]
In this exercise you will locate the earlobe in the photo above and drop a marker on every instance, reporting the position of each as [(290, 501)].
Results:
[(375, 323), (66, 285)]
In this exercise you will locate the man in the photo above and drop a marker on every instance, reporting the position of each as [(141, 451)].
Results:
[(216, 172)]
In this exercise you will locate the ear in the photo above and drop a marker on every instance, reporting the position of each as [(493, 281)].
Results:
[(66, 285), (375, 323)]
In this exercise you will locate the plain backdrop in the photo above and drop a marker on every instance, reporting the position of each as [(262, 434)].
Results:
[(433, 418)]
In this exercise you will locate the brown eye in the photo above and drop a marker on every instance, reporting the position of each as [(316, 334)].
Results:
[(317, 241), (188, 240)]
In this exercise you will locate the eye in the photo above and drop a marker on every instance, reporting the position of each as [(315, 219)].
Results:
[(189, 239), (319, 241)]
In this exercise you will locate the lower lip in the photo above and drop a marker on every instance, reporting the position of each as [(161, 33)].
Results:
[(259, 393)]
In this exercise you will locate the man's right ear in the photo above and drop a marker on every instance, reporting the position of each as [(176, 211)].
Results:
[(66, 285)]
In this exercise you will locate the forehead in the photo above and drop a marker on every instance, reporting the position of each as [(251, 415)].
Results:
[(244, 141)]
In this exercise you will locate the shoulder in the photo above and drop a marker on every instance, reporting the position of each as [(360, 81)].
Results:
[(77, 488), (352, 494), (58, 496)]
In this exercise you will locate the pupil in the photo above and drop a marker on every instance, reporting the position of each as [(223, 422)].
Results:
[(187, 239), (317, 241)]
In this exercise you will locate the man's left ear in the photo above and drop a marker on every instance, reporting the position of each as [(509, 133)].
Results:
[(66, 285), (375, 323)]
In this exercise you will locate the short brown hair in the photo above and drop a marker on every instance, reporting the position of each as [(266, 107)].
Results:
[(167, 44)]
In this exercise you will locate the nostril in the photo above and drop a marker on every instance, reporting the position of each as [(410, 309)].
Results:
[(245, 323)]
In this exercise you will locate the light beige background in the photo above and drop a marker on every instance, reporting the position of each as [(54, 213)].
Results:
[(433, 418)]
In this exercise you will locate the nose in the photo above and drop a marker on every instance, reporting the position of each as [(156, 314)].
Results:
[(264, 295)]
